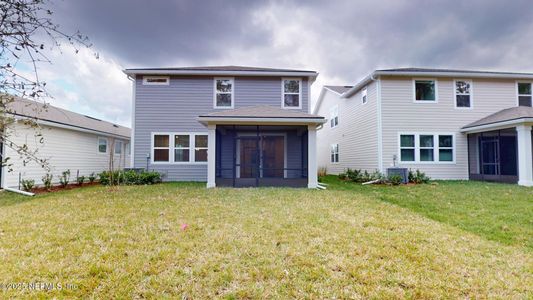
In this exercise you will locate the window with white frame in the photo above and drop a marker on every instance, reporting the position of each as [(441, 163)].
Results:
[(334, 116), (118, 147), (156, 80), (102, 145), (179, 148), (463, 93), (128, 149), (425, 90), (161, 149), (364, 95), (524, 94), (426, 147), (291, 93), (223, 93), (334, 153)]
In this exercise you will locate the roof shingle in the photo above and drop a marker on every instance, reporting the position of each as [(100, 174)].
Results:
[(508, 114)]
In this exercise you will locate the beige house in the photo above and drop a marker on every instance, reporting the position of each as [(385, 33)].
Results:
[(451, 124)]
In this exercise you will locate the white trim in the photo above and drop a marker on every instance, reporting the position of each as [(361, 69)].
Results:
[(320, 99), (132, 137), (364, 96), (121, 146), (215, 92), (517, 92), (309, 99), (312, 176), (312, 75), (436, 148), (146, 78), (497, 125), (98, 138), (471, 94), (283, 79), (211, 156), (435, 82), (238, 150), (525, 154), (171, 147), (260, 121), (380, 125)]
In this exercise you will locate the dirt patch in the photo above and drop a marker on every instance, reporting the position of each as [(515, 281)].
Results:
[(56, 188)]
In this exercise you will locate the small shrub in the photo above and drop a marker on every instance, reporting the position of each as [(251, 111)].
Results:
[(80, 180), (129, 177), (342, 176), (92, 177), (64, 178), (47, 181), (28, 184), (353, 175), (418, 177), (395, 179)]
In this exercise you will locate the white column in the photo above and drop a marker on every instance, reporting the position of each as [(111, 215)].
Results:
[(211, 155), (525, 156), (312, 176)]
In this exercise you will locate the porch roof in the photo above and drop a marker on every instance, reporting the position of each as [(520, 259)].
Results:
[(260, 114), (504, 118)]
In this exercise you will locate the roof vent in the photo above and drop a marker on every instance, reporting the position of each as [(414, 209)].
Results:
[(115, 125), (348, 86), (92, 118)]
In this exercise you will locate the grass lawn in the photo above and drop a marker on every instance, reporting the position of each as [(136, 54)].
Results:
[(449, 240)]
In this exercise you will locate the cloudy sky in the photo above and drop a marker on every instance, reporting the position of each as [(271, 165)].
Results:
[(343, 40)]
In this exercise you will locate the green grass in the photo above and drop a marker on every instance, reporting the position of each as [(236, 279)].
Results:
[(346, 242)]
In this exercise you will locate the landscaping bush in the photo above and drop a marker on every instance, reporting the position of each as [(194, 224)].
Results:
[(418, 177), (64, 178), (395, 179), (80, 179), (92, 177), (342, 176), (129, 177), (28, 185), (47, 181), (360, 176)]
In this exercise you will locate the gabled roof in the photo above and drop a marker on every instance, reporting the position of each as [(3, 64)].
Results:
[(261, 113), (517, 114), (62, 117), (452, 71), (339, 89), (221, 70)]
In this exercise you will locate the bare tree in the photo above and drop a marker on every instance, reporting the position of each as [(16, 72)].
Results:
[(27, 32)]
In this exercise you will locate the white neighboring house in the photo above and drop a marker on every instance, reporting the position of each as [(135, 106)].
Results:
[(450, 124), (70, 141)]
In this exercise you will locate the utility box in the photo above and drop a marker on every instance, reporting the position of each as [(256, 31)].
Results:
[(403, 172)]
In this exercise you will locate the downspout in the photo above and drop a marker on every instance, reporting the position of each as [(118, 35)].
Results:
[(380, 122), (19, 191)]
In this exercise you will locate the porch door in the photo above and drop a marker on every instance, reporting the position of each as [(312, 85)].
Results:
[(249, 162), (490, 156), (273, 156)]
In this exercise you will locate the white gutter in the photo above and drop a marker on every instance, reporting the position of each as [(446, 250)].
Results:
[(19, 192), (253, 121), (218, 73), (380, 122), (496, 125)]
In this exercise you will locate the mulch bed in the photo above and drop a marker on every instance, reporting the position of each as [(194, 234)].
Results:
[(56, 188)]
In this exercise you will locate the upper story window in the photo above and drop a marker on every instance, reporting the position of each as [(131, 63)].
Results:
[(426, 148), (425, 90), (292, 92), (102, 145), (364, 96), (524, 94), (118, 147), (224, 93), (156, 80), (334, 116), (334, 153), (463, 93)]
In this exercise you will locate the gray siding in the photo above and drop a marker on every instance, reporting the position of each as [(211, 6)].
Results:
[(175, 107), (356, 133), (400, 113)]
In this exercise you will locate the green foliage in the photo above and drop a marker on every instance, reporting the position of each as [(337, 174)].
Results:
[(360, 176), (80, 180), (92, 177), (64, 178), (129, 177), (28, 184), (418, 177), (395, 179), (47, 181)]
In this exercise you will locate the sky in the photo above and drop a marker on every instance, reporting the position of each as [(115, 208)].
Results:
[(343, 40)]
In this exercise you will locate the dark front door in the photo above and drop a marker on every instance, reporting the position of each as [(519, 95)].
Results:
[(273, 156), (249, 158), (498, 158)]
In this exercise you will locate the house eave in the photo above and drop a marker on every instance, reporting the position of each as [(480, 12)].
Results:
[(133, 72), (259, 121), (497, 125)]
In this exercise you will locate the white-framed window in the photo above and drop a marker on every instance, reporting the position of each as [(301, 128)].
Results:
[(224, 90), (334, 116), (128, 149), (102, 145), (291, 90), (334, 153), (118, 147), (179, 148), (364, 96), (156, 80), (524, 93), (463, 93), (426, 147), (425, 90)]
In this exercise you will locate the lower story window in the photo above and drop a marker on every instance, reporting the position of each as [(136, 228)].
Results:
[(161, 148), (426, 147), (200, 148), (186, 147), (334, 153)]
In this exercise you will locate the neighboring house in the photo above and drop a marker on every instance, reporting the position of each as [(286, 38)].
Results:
[(227, 125), (68, 141), (451, 124)]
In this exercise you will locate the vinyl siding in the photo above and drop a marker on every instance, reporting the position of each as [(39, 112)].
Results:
[(63, 149), (401, 114), (175, 107), (356, 133)]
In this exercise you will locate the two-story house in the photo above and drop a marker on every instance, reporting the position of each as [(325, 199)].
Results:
[(451, 124), (227, 125)]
